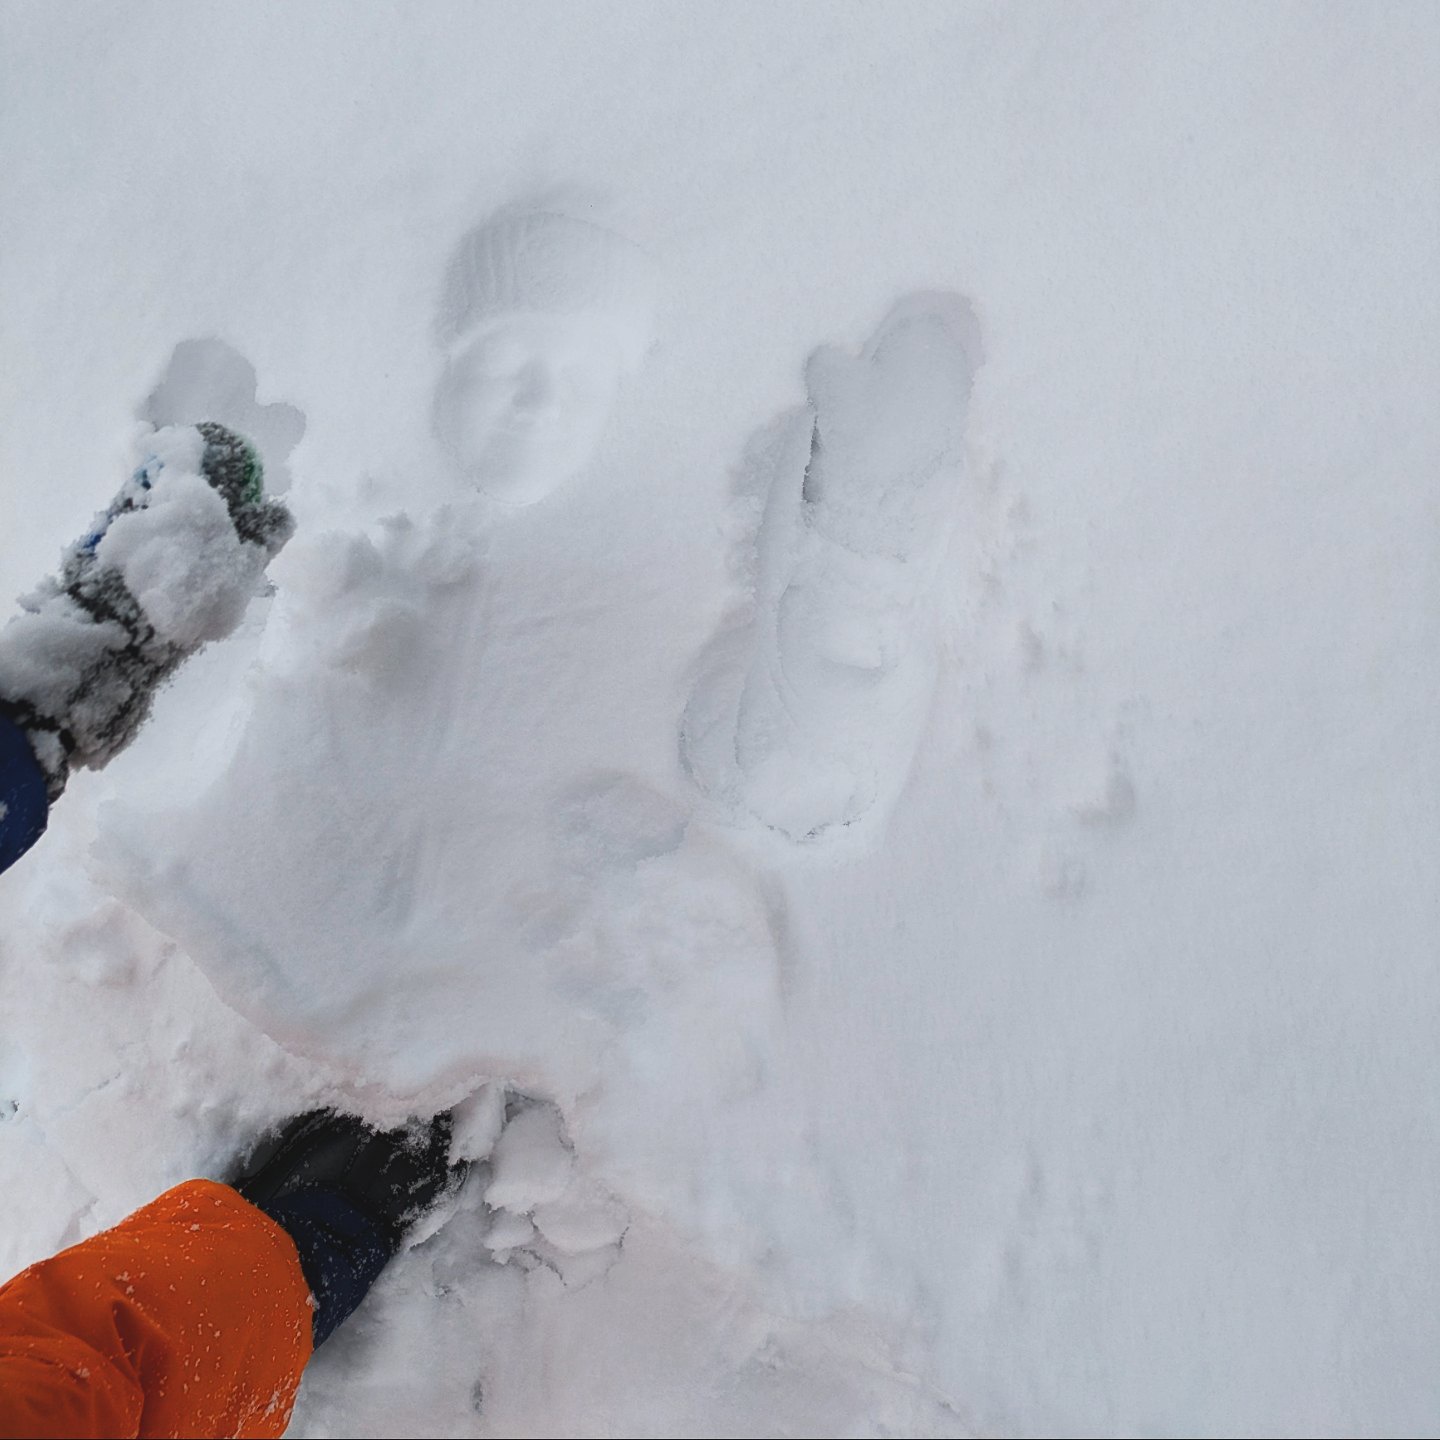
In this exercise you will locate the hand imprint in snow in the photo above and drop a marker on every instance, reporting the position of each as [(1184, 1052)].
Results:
[(541, 316), (811, 699), (208, 379)]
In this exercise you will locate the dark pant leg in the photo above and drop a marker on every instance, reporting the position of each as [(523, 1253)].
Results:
[(24, 810)]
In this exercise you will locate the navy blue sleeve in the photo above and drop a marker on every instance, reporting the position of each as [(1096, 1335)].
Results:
[(24, 810)]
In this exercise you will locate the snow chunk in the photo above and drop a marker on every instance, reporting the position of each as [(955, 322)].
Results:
[(586, 1217), (478, 1121), (176, 448), (51, 651), (508, 1231), (532, 1162), (183, 562)]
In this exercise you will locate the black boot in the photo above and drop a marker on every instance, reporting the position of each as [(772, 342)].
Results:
[(346, 1194)]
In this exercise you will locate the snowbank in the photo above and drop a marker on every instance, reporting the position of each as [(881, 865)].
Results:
[(952, 955)]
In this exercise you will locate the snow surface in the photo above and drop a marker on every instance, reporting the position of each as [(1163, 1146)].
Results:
[(932, 931)]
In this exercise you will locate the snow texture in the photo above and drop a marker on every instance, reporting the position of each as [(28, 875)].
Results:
[(855, 683)]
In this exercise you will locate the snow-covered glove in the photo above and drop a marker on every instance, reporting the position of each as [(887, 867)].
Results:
[(169, 566)]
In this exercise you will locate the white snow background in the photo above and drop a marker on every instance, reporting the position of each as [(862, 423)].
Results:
[(1079, 1073)]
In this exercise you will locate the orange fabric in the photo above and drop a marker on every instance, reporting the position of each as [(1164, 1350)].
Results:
[(191, 1317)]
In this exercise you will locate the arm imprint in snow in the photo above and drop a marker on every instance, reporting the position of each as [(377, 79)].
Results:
[(811, 699)]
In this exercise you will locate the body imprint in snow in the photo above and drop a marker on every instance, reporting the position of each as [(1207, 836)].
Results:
[(381, 871), (810, 700), (541, 316)]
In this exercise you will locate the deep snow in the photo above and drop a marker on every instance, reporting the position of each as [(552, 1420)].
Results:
[(875, 693)]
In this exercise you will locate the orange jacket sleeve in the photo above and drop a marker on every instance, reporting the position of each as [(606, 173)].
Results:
[(191, 1317)]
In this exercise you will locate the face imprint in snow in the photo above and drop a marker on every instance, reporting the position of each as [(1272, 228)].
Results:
[(541, 316), (811, 699)]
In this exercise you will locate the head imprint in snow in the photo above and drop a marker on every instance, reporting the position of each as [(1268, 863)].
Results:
[(536, 262), (540, 317)]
